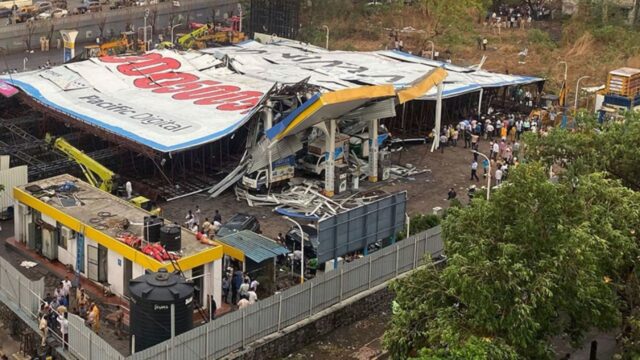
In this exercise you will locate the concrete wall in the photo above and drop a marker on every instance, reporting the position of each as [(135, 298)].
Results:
[(12, 37), (291, 339)]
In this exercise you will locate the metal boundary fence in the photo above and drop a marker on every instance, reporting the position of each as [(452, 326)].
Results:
[(84, 344), (21, 292), (234, 331), (238, 329)]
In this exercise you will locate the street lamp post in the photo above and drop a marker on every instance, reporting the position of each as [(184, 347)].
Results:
[(326, 46), (301, 246), (489, 175), (575, 104), (433, 48), (566, 69), (146, 15), (173, 27)]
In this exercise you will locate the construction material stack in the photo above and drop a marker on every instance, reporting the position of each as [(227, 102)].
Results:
[(622, 92), (624, 82)]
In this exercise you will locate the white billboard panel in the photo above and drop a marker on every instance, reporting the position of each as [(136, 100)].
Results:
[(162, 99)]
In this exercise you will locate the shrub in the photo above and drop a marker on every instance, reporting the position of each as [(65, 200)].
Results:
[(539, 37)]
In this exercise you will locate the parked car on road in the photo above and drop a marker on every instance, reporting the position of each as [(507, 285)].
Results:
[(95, 6), (239, 222), (56, 14), (5, 13), (80, 10), (42, 6)]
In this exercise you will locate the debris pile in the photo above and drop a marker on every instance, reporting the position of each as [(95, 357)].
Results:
[(306, 201), (398, 171)]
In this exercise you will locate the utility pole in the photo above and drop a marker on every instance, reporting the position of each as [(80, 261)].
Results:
[(146, 15)]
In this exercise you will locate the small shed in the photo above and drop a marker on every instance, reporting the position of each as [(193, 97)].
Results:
[(257, 253)]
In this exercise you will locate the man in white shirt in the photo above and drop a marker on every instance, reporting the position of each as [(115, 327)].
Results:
[(66, 287), (254, 285), (244, 288), (495, 150), (64, 329), (474, 171), (129, 189), (243, 303), (253, 297), (498, 176), (196, 215)]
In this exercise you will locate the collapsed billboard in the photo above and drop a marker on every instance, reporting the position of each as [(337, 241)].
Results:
[(162, 99), (332, 70)]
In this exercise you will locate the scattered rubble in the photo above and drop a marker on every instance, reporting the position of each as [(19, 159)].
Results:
[(306, 200)]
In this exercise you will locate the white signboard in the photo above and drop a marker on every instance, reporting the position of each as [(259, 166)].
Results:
[(162, 99)]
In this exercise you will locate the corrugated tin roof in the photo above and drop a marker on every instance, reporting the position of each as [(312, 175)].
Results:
[(255, 247)]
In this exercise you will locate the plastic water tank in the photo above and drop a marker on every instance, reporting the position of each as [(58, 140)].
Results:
[(152, 295), (171, 237), (152, 225)]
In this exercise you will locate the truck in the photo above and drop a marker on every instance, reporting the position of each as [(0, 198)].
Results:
[(317, 154), (281, 171), (361, 143)]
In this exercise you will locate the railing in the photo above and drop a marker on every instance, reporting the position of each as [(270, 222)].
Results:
[(238, 329), (84, 344)]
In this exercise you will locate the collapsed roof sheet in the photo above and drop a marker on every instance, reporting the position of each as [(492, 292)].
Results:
[(165, 100), (333, 70)]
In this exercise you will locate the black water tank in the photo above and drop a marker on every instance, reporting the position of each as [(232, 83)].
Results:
[(171, 237), (152, 225), (150, 316)]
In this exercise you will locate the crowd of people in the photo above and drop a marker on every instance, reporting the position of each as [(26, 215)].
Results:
[(503, 131), (54, 309), (238, 288), (206, 229)]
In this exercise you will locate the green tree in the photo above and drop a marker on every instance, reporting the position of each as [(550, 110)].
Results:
[(613, 147), (540, 259)]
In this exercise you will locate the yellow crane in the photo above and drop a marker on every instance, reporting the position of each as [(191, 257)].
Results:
[(187, 41), (97, 174)]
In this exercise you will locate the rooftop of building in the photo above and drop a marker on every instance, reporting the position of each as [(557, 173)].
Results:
[(101, 216)]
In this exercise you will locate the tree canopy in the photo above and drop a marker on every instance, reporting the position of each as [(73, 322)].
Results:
[(540, 259), (613, 148)]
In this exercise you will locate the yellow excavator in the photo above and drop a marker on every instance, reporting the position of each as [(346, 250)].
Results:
[(187, 41), (127, 43), (207, 33), (97, 174)]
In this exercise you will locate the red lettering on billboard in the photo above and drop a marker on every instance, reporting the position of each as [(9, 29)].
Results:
[(156, 72)]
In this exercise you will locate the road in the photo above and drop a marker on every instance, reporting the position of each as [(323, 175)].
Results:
[(34, 60)]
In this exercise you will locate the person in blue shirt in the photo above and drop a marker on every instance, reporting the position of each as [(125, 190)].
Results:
[(485, 167)]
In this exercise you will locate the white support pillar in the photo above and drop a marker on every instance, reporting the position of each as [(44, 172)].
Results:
[(480, 104), (329, 165), (268, 124), (373, 151), (436, 137)]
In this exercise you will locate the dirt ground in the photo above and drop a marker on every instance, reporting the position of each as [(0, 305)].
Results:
[(360, 341), (425, 191)]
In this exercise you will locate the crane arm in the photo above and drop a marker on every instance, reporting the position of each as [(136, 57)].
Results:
[(97, 174), (187, 40)]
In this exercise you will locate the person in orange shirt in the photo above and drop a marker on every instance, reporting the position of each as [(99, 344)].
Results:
[(503, 133)]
